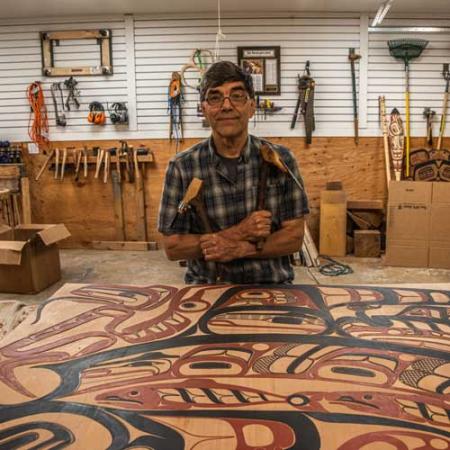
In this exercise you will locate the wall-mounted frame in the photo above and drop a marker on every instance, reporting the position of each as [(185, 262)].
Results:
[(263, 64), (51, 38)]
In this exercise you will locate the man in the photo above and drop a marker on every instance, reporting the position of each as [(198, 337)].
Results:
[(229, 164)]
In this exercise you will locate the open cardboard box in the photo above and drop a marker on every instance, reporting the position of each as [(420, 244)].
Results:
[(29, 257)]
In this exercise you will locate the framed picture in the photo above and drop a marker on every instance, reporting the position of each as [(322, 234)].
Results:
[(263, 64)]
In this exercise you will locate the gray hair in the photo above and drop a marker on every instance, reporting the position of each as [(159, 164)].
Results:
[(223, 72)]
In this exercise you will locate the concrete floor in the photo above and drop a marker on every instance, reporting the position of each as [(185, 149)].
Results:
[(145, 268)]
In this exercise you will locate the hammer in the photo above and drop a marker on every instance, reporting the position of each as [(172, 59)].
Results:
[(429, 114), (192, 198)]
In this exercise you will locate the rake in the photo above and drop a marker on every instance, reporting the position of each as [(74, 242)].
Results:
[(407, 50)]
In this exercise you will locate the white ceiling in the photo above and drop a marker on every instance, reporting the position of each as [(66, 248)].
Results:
[(46, 8)]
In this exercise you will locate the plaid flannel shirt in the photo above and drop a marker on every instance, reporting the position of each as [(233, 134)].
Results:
[(228, 202)]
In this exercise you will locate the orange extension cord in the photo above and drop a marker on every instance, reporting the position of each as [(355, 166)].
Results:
[(38, 127)]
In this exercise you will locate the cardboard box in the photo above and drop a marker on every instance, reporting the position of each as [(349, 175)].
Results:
[(29, 257), (418, 224)]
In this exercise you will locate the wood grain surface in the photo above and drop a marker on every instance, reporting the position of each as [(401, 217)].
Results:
[(87, 207), (229, 367)]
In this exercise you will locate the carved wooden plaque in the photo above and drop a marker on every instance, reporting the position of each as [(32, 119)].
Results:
[(201, 368)]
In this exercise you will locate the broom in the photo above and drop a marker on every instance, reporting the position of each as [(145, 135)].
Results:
[(407, 50)]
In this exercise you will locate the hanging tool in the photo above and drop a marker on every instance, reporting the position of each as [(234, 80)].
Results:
[(118, 113), (99, 162), (74, 93), (192, 198), (96, 114), (352, 56), (126, 151), (446, 75), (60, 118), (107, 165), (85, 161), (78, 157), (174, 108), (118, 171), (38, 127), (200, 59), (384, 125), (305, 102), (429, 114), (407, 50), (63, 162), (47, 160), (397, 142), (56, 163)]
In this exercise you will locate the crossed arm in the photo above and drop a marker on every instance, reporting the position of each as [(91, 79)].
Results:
[(238, 241)]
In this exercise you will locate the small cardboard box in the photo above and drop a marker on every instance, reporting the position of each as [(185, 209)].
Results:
[(29, 257), (418, 224)]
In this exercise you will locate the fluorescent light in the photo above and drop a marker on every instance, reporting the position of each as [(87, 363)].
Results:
[(381, 13)]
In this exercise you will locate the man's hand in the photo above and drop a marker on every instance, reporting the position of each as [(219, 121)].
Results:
[(254, 227), (221, 249)]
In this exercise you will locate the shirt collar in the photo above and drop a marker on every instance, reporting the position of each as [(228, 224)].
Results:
[(245, 155)]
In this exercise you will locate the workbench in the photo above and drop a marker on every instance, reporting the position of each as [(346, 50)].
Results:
[(229, 367)]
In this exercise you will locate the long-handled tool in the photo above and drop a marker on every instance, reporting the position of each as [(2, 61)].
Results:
[(192, 198), (407, 50), (56, 163), (352, 56), (60, 118), (429, 114), (384, 125), (47, 160), (446, 75), (305, 102)]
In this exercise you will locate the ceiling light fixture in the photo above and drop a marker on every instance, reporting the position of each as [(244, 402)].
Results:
[(381, 13)]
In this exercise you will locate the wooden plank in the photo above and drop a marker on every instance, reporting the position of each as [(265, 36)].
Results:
[(141, 216), (362, 178), (75, 34), (333, 223), (118, 207), (9, 171), (365, 204), (134, 246)]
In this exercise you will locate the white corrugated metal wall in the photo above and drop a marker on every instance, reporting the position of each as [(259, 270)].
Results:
[(147, 49)]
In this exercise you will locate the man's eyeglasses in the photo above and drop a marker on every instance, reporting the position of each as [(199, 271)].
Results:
[(237, 98)]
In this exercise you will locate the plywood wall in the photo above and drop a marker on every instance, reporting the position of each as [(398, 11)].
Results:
[(87, 207)]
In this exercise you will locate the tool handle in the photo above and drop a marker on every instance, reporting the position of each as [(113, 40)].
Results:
[(106, 168), (56, 163), (99, 163), (382, 107), (407, 133), (297, 107), (63, 164), (443, 121), (47, 160)]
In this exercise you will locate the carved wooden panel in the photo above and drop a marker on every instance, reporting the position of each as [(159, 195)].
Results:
[(210, 367)]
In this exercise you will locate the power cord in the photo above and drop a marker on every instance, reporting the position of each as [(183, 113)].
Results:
[(334, 268)]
